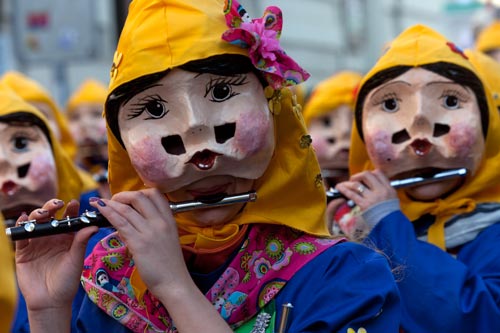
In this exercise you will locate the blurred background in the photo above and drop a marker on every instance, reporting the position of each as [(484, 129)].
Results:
[(60, 43)]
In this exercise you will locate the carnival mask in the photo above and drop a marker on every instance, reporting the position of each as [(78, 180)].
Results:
[(331, 135), (420, 123), (28, 174), (190, 126)]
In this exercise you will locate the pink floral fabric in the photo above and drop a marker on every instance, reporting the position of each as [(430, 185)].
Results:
[(261, 37), (268, 258)]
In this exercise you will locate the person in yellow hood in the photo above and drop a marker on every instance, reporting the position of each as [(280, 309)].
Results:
[(34, 169), (88, 128), (35, 94), (199, 109), (328, 116), (422, 110), (488, 40)]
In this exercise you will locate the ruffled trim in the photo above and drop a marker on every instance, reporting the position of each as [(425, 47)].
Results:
[(261, 37)]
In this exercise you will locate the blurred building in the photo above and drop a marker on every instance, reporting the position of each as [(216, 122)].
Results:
[(61, 42)]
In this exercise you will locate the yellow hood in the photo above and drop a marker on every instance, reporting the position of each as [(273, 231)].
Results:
[(8, 292), (89, 92), (416, 46), (69, 182), (489, 70), (31, 91), (159, 35), (489, 38), (338, 89)]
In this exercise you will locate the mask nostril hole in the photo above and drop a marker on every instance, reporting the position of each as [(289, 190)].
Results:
[(173, 144), (440, 129), (224, 132), (400, 137), (22, 171)]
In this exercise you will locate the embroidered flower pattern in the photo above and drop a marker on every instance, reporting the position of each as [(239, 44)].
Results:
[(304, 248), (252, 280), (261, 37), (113, 261), (114, 243), (119, 311), (274, 248), (261, 267), (305, 141), (283, 261), (269, 291)]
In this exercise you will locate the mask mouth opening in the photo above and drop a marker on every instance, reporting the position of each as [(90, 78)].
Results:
[(204, 160), (211, 198)]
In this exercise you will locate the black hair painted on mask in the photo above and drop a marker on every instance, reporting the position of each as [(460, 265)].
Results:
[(224, 64), (27, 119)]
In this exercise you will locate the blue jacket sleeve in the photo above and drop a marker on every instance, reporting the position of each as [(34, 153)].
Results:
[(441, 293), (347, 286)]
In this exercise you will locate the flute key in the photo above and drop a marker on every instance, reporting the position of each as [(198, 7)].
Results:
[(31, 229)]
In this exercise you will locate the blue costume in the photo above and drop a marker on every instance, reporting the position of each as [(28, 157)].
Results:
[(463, 287), (327, 295)]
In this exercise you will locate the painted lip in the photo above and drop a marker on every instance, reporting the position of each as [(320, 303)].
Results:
[(9, 188), (204, 160), (421, 147)]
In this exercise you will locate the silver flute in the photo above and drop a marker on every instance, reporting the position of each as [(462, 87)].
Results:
[(32, 229), (412, 181)]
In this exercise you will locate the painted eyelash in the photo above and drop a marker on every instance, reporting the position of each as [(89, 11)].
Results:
[(451, 92), (138, 108), (386, 96), (30, 135), (237, 80)]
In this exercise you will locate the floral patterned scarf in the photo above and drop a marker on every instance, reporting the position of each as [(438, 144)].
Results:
[(267, 259)]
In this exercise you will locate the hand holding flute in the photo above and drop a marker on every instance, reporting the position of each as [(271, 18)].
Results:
[(32, 229), (370, 188)]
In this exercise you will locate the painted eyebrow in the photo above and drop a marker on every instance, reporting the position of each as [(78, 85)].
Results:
[(389, 84), (446, 82)]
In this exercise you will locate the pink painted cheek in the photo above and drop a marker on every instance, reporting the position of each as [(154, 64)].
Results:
[(102, 130), (150, 159), (319, 144), (252, 132), (42, 172), (380, 148), (462, 139)]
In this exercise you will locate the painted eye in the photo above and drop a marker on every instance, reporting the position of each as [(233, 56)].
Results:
[(451, 102), (221, 92), (326, 121), (155, 108), (20, 143), (390, 105)]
